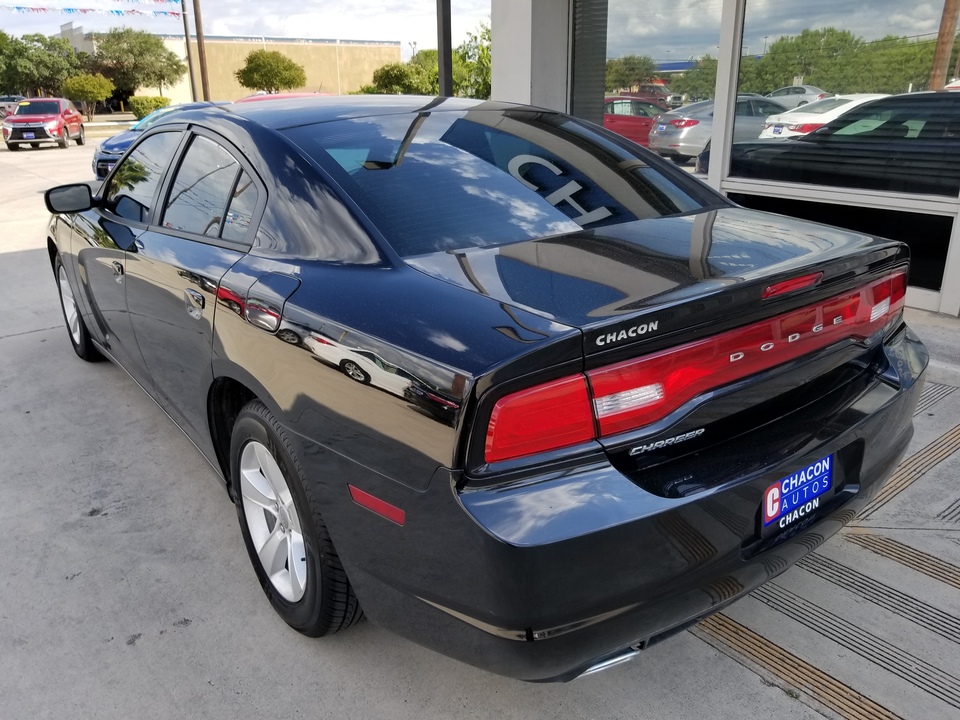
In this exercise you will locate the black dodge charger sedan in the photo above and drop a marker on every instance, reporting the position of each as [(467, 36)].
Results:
[(516, 387)]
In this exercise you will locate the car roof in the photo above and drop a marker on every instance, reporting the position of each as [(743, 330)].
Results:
[(292, 112)]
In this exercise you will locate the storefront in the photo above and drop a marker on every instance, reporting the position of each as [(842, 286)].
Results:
[(554, 53)]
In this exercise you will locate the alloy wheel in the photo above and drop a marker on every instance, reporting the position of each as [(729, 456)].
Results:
[(272, 521), (69, 306)]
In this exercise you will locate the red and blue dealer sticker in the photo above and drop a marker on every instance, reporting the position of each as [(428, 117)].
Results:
[(796, 496)]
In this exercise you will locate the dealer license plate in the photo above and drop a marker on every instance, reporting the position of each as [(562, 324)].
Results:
[(28, 136), (777, 129), (661, 128), (795, 497)]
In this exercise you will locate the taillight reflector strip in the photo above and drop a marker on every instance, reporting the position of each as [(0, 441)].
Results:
[(639, 392)]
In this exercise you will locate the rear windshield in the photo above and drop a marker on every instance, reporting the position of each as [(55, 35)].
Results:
[(38, 108), (456, 180)]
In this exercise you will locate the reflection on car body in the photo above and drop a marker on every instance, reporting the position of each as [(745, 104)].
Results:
[(489, 267)]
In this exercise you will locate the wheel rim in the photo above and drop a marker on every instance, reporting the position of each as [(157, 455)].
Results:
[(354, 372), (69, 306), (272, 521)]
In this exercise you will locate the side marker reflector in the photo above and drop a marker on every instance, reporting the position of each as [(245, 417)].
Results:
[(375, 504)]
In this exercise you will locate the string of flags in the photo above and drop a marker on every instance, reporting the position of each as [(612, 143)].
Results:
[(97, 11)]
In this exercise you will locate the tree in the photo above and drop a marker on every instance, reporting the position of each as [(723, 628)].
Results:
[(629, 71), (475, 65), (87, 89), (271, 71), (698, 83), (38, 63), (402, 79), (134, 58)]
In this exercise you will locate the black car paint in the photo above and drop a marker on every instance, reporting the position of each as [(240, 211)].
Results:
[(503, 569)]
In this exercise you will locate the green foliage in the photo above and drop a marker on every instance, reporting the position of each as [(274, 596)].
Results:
[(143, 105), (628, 72), (36, 63), (270, 71), (698, 83), (87, 90), (420, 75), (134, 58)]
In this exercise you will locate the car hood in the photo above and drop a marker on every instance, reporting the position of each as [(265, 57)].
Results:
[(25, 119), (119, 143), (589, 279)]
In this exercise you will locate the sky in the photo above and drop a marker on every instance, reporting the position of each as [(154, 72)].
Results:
[(410, 22), (663, 29)]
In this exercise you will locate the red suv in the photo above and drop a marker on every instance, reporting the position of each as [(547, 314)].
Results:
[(43, 120)]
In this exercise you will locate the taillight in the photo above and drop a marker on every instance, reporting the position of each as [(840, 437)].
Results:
[(684, 122), (545, 417), (639, 392), (805, 127)]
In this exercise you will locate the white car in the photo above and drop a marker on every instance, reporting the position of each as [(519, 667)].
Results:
[(807, 118), (363, 366), (795, 95)]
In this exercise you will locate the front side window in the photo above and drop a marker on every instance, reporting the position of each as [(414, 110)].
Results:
[(201, 189), (131, 189)]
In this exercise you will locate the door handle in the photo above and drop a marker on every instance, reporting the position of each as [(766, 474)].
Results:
[(194, 302), (117, 271)]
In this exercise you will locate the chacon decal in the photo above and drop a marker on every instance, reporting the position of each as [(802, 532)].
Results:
[(618, 336)]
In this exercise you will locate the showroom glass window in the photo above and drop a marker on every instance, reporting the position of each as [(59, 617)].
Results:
[(133, 185), (891, 136)]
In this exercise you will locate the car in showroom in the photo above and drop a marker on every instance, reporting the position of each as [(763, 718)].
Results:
[(631, 402), (797, 95), (807, 118), (901, 143), (682, 134), (112, 149), (631, 117), (42, 121)]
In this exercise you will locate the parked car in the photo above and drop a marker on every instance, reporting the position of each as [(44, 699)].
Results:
[(682, 134), (657, 400), (113, 148), (43, 120), (658, 94), (630, 117), (902, 143), (8, 103), (807, 118), (796, 95)]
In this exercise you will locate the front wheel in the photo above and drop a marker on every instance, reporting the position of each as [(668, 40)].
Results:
[(286, 538), (352, 370), (76, 328)]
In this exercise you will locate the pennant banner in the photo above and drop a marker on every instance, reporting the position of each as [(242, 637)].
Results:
[(95, 11)]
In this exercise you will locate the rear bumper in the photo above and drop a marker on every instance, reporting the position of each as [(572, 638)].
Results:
[(549, 578)]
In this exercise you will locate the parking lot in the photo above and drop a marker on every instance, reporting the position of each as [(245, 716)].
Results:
[(126, 590)]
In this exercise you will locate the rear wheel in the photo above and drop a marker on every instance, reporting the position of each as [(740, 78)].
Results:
[(81, 137), (286, 538), (12, 147), (76, 329), (680, 159)]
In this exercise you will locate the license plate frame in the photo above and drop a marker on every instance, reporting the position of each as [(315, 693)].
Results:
[(777, 129), (797, 496), (661, 128)]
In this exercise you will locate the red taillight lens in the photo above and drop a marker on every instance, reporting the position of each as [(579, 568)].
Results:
[(684, 123), (635, 393), (792, 284), (805, 127), (546, 417)]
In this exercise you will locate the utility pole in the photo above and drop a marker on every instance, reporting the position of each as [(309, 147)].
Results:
[(945, 40), (444, 49), (201, 50), (186, 37)]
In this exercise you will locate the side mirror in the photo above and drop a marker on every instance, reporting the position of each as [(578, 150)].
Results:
[(69, 198)]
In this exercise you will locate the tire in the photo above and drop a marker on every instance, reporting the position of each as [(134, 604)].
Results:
[(279, 517), (354, 372), (81, 138), (76, 328), (680, 159), (64, 142), (13, 147), (288, 336)]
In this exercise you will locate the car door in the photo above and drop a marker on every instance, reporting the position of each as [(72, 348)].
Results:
[(202, 227), (104, 238)]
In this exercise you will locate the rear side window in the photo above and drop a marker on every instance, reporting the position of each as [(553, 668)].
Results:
[(453, 180), (133, 185), (240, 211), (203, 187)]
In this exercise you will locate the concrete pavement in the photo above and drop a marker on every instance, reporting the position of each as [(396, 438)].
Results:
[(125, 590)]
